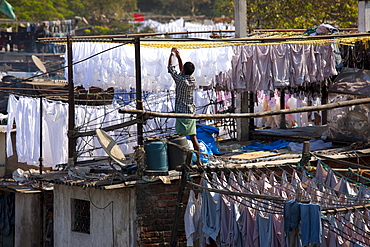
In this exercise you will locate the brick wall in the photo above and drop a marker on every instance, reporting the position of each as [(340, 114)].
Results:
[(48, 217), (156, 205)]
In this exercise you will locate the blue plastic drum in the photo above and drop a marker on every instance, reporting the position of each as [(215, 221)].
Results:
[(156, 156)]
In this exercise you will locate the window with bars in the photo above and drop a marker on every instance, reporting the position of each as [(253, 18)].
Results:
[(80, 216)]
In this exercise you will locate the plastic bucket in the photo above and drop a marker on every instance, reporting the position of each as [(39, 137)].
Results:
[(176, 155), (156, 156)]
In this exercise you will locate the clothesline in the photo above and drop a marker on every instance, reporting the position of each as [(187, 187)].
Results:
[(88, 118), (342, 234), (312, 177), (332, 226), (310, 186), (342, 176), (252, 196), (342, 39)]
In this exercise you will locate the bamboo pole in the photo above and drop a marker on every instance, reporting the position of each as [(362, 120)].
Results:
[(111, 127), (249, 115), (344, 162), (345, 209), (71, 104)]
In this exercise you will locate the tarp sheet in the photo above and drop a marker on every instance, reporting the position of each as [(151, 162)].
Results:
[(352, 81)]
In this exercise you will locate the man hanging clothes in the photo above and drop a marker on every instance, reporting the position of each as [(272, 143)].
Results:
[(184, 103)]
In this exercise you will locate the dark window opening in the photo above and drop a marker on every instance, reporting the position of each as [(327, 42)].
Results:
[(80, 216)]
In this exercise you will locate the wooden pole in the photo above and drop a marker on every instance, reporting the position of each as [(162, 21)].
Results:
[(40, 158), (180, 194), (71, 104), (305, 153), (324, 100), (282, 106), (139, 102), (243, 123), (250, 115), (346, 209), (344, 162), (251, 109)]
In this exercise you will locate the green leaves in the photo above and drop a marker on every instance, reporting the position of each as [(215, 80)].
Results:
[(40, 10), (300, 13), (277, 14)]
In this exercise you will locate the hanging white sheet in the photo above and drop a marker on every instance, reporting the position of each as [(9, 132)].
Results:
[(116, 67), (180, 25), (25, 112)]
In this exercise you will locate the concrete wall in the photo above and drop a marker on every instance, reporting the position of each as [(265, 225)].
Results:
[(27, 220), (112, 217), (363, 16)]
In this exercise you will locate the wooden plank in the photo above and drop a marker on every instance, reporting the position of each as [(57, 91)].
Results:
[(24, 189), (254, 155)]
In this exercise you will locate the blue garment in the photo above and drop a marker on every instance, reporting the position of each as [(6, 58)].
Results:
[(292, 215), (265, 147), (211, 213), (357, 245), (264, 227), (311, 228), (7, 214)]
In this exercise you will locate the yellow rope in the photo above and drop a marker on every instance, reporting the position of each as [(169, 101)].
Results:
[(211, 44), (257, 39)]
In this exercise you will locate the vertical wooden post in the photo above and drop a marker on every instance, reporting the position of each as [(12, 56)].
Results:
[(71, 105), (139, 102), (305, 153), (243, 123), (324, 101), (180, 194), (251, 110), (41, 158), (282, 106)]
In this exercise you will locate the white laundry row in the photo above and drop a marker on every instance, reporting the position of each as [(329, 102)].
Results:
[(267, 103), (116, 67), (180, 25), (244, 67), (25, 112)]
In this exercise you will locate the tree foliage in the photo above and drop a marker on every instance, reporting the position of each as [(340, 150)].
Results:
[(94, 10), (176, 8), (301, 13), (283, 14), (260, 13), (102, 12), (43, 9)]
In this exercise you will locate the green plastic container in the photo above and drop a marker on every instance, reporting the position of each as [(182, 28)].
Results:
[(156, 156)]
